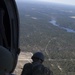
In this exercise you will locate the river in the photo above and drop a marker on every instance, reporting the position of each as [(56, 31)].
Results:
[(53, 22)]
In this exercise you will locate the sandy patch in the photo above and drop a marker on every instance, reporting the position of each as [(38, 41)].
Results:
[(23, 58)]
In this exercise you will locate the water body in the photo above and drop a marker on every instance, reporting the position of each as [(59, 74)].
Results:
[(53, 22)]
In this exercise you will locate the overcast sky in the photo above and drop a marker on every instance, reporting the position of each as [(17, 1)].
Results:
[(71, 2)]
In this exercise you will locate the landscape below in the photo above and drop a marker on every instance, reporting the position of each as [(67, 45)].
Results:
[(37, 33)]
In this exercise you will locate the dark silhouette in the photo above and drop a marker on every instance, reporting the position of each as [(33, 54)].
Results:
[(36, 67)]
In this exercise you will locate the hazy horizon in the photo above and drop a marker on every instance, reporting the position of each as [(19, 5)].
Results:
[(66, 2)]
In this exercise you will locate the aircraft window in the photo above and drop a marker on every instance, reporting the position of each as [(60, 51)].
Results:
[(49, 28)]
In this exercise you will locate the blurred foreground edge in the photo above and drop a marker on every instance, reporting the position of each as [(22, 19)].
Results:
[(9, 28)]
